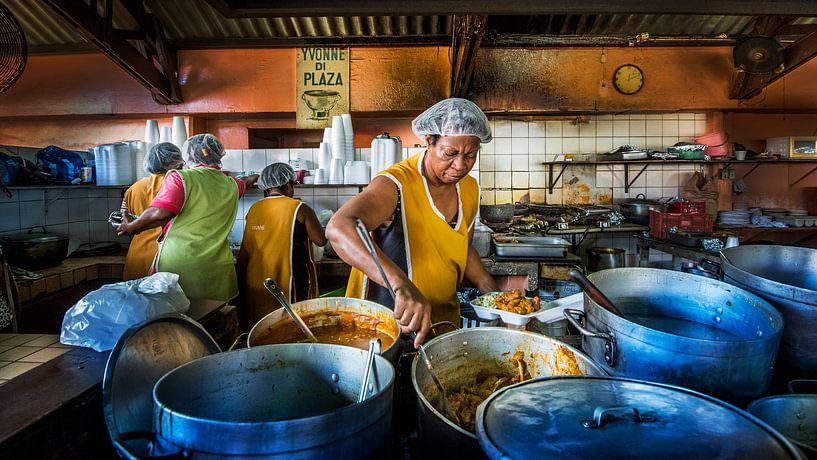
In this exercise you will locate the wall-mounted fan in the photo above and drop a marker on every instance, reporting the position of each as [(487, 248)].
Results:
[(759, 55), (13, 49)]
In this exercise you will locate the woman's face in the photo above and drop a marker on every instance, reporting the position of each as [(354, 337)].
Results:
[(452, 157)]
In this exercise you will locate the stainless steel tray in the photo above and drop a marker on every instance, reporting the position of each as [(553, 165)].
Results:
[(531, 247)]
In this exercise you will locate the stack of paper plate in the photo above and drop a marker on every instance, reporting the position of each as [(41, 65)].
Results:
[(796, 212), (734, 218)]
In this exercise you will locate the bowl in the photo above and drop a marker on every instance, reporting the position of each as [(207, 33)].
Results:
[(497, 213)]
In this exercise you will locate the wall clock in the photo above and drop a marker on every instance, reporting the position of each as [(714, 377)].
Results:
[(628, 79)]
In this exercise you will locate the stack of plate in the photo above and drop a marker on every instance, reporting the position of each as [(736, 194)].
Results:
[(796, 212), (774, 212), (734, 218), (740, 207)]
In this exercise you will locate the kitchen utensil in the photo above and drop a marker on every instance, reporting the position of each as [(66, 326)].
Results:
[(329, 310), (34, 250), (421, 352), (179, 132), (276, 292), (497, 213), (724, 338), (593, 292), (530, 247), (786, 276), (374, 349), (602, 258), (637, 210), (459, 356), (608, 417)]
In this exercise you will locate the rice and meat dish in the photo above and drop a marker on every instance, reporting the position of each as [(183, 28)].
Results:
[(515, 302)]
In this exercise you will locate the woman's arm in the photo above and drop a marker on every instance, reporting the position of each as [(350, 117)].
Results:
[(374, 206), (475, 272), (313, 228), (152, 217)]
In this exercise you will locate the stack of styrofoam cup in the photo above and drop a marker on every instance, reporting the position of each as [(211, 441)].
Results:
[(165, 134), (349, 136), (327, 135), (151, 139), (321, 176), (338, 139), (114, 164), (138, 152), (324, 156), (179, 132), (336, 171)]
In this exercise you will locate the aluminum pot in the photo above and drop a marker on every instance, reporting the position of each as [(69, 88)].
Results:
[(794, 416), (328, 308), (601, 258), (682, 329), (34, 250), (786, 277), (458, 356), (294, 401), (637, 210)]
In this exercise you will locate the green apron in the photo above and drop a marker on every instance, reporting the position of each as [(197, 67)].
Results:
[(195, 245)]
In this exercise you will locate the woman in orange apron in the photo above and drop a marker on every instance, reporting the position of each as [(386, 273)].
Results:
[(161, 159), (277, 234), (421, 213)]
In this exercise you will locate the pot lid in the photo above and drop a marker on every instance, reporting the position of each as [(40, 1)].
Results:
[(640, 199), (33, 237), (143, 355), (603, 417)]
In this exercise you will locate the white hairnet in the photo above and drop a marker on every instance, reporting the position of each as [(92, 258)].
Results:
[(204, 148), (453, 117), (276, 175), (162, 158)]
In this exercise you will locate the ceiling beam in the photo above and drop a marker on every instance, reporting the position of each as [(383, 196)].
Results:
[(535, 41), (290, 42), (314, 8), (794, 55), (468, 33), (161, 81)]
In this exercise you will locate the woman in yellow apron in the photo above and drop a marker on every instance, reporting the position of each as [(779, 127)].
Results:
[(161, 159), (421, 212), (277, 232)]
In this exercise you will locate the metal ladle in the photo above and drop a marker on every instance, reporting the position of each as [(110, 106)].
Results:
[(276, 292), (364, 236), (594, 292)]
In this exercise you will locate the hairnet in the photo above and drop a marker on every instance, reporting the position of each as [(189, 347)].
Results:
[(162, 158), (204, 148), (276, 175), (453, 117)]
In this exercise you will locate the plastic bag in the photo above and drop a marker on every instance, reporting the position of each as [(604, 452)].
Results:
[(102, 316)]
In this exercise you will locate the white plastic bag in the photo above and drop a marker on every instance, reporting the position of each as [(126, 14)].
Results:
[(102, 316)]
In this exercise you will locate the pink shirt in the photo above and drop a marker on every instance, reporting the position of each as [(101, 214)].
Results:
[(171, 194)]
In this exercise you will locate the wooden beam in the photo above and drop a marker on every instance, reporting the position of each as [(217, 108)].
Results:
[(794, 55), (766, 26), (116, 46), (290, 42), (314, 8), (468, 33)]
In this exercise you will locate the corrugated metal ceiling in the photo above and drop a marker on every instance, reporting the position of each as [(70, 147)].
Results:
[(195, 20)]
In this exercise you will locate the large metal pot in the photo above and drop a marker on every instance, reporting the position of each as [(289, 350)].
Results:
[(497, 213), (794, 416), (637, 210), (602, 258), (785, 276), (324, 310), (275, 401), (458, 357), (34, 250), (684, 330)]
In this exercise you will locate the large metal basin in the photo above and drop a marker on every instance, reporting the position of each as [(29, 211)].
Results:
[(458, 356), (293, 401), (794, 416), (786, 277), (725, 345), (326, 310)]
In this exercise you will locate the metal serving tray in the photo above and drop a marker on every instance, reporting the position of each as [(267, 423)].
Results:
[(531, 247)]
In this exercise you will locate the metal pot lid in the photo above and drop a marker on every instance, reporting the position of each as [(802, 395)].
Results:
[(31, 237), (608, 417), (641, 199), (143, 355)]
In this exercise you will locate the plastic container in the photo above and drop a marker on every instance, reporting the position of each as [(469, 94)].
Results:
[(687, 207), (715, 143), (662, 222)]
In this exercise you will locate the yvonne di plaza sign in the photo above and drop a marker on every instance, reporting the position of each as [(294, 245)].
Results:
[(322, 86)]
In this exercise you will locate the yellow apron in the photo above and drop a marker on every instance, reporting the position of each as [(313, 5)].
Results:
[(267, 252), (435, 252), (143, 246)]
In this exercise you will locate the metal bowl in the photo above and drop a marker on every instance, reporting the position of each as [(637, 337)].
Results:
[(497, 213)]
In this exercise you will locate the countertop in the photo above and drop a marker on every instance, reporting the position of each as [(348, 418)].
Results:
[(71, 272)]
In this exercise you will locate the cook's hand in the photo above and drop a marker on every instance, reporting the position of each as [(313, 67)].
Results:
[(122, 229), (412, 311)]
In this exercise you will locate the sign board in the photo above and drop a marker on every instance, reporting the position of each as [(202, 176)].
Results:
[(322, 86)]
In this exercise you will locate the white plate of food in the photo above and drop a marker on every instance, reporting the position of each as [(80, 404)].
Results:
[(515, 309)]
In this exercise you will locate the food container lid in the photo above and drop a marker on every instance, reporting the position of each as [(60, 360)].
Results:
[(140, 358), (603, 417)]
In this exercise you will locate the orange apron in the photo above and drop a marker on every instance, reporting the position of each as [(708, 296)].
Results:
[(435, 252), (143, 246)]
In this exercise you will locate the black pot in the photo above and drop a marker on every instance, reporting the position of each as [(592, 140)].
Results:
[(32, 250), (637, 210)]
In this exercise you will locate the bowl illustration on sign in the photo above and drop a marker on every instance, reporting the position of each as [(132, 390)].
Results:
[(321, 102)]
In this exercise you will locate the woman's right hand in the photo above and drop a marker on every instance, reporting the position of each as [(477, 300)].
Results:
[(412, 311)]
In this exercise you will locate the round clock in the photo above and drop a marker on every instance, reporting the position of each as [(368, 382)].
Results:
[(628, 79)]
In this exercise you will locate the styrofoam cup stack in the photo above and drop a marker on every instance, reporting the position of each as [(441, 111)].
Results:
[(338, 138), (179, 132), (327, 135), (114, 164), (349, 136), (138, 151), (151, 132), (321, 176), (325, 156), (356, 172), (165, 134), (336, 171)]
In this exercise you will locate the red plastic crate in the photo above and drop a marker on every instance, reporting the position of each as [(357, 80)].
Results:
[(687, 207), (662, 222)]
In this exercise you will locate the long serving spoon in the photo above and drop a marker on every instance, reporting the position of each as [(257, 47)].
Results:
[(367, 241), (595, 293), (276, 292)]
